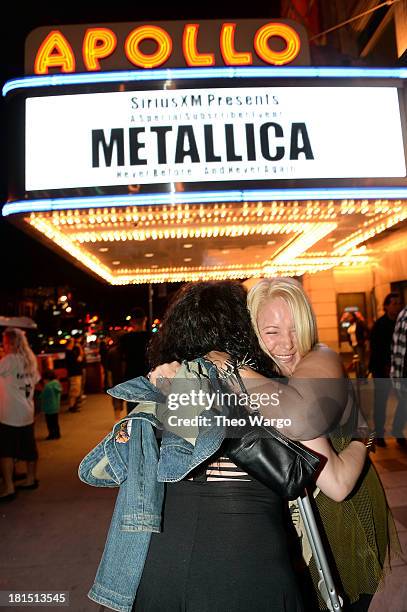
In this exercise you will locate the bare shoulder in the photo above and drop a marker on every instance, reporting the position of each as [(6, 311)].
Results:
[(321, 362), (247, 372), (325, 351)]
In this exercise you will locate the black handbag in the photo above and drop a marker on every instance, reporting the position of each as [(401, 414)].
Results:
[(283, 465)]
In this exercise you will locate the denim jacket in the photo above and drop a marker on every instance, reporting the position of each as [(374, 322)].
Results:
[(140, 469)]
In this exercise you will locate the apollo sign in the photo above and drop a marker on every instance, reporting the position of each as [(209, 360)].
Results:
[(166, 44)]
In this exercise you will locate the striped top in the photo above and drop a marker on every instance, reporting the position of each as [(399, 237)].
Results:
[(223, 469), (219, 469)]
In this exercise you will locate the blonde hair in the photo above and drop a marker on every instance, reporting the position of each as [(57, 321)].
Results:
[(293, 294), (19, 346)]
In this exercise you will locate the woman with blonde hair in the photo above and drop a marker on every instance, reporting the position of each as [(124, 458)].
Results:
[(211, 312), (18, 377), (304, 324), (361, 524)]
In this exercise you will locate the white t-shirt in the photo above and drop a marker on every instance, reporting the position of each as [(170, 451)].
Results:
[(16, 392)]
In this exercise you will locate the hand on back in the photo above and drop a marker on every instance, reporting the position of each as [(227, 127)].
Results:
[(164, 371)]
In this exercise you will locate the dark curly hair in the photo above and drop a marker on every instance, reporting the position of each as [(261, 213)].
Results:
[(204, 317)]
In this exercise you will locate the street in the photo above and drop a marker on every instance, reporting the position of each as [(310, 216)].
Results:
[(52, 537)]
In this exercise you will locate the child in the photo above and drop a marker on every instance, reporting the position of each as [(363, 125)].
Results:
[(51, 403)]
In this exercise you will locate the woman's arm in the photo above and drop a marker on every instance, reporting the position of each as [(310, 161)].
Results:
[(313, 400), (340, 472), (311, 403)]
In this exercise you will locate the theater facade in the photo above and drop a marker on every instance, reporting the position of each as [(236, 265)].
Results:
[(179, 151)]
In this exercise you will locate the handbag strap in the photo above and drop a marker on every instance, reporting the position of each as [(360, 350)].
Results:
[(235, 372), (232, 370), (296, 446)]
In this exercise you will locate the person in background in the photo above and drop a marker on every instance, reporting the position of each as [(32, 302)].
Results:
[(398, 372), (73, 362), (114, 376), (133, 346), (81, 344), (380, 360), (358, 333), (18, 376), (103, 351), (50, 399)]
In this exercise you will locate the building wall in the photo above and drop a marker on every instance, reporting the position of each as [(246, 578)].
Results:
[(401, 27), (390, 265), (321, 290)]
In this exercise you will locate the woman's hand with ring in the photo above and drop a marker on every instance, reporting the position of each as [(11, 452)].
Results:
[(164, 371)]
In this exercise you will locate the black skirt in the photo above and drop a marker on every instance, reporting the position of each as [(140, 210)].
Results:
[(18, 442), (223, 549)]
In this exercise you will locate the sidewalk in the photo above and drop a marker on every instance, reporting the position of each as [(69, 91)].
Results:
[(52, 538), (391, 463)]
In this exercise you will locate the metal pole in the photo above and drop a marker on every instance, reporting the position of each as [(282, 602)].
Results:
[(357, 368), (343, 23), (326, 584)]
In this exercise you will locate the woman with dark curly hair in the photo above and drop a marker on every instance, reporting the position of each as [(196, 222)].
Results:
[(204, 317), (236, 564), (223, 545)]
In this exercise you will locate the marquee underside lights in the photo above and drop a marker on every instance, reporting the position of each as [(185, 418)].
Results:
[(229, 240), (174, 198)]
